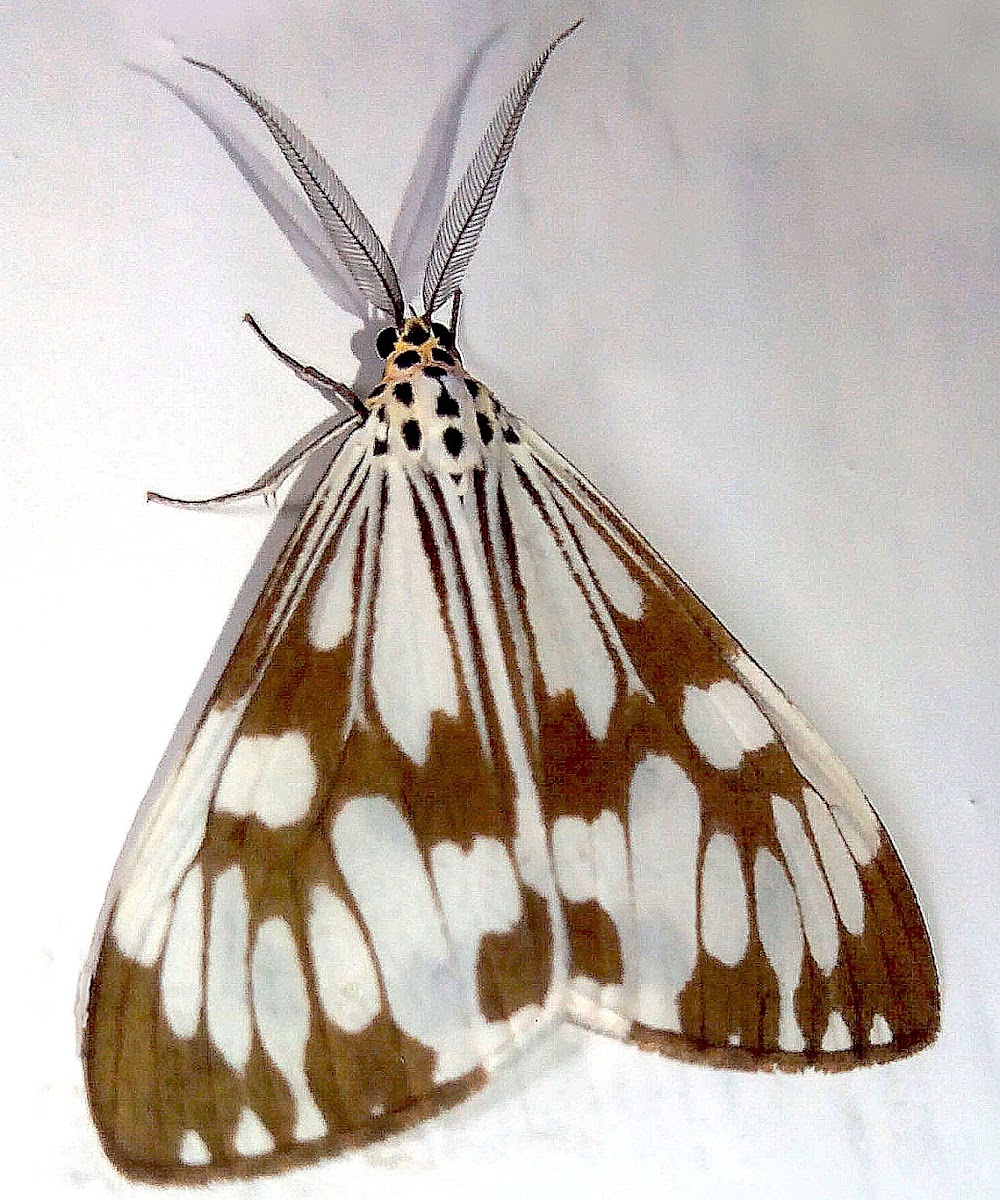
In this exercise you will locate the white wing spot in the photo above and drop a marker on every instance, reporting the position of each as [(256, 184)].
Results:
[(494, 1042), (412, 672), (381, 862), (181, 972), (170, 839), (781, 936), (573, 858), (571, 652), (855, 834), (880, 1034), (816, 761), (591, 863), (333, 608), (281, 1007), (725, 923), (592, 1006), (841, 871), (345, 974), (271, 778), (818, 917), (724, 723), (837, 1035), (193, 1151), (251, 1137), (479, 894), (227, 1003), (664, 825)]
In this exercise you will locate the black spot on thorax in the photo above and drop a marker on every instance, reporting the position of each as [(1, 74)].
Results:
[(447, 405), (411, 434), (454, 440)]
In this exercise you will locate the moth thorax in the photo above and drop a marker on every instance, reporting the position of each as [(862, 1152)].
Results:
[(418, 344), (427, 408)]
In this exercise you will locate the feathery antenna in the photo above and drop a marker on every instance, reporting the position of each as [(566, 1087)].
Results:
[(458, 234), (356, 242)]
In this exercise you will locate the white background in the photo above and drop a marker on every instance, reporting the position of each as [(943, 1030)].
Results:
[(743, 270)]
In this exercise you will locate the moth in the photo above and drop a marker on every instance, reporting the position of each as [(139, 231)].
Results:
[(480, 763)]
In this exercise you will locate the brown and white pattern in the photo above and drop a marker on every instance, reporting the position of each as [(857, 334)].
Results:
[(478, 764)]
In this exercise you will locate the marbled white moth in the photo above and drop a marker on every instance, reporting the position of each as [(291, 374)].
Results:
[(479, 763)]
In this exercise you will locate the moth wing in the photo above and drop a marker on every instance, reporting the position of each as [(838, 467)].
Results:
[(729, 893), (319, 934)]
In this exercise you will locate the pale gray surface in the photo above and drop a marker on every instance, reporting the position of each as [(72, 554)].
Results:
[(743, 270)]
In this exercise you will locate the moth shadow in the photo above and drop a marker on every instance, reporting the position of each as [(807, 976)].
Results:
[(511, 1096), (282, 199)]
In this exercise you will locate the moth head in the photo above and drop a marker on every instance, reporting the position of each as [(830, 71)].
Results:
[(429, 338)]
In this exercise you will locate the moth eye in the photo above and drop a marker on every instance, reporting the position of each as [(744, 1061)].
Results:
[(441, 332), (385, 343)]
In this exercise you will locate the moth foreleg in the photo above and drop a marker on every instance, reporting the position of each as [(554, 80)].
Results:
[(329, 388)]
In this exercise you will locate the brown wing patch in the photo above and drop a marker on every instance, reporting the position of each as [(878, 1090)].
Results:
[(594, 946), (515, 969)]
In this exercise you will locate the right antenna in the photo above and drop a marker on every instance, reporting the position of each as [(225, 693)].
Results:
[(458, 234)]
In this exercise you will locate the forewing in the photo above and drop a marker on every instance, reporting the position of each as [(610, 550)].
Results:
[(729, 893), (320, 932)]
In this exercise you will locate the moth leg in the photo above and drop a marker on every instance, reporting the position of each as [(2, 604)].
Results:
[(267, 485), (315, 378)]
